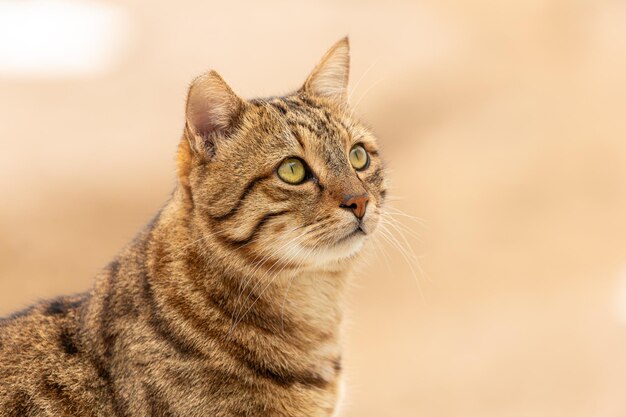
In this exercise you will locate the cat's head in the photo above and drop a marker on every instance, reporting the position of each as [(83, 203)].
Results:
[(295, 178)]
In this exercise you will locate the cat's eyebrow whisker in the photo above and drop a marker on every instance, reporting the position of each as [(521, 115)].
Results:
[(354, 88), (355, 107)]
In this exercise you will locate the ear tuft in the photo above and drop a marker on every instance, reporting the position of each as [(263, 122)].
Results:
[(212, 108), (330, 76)]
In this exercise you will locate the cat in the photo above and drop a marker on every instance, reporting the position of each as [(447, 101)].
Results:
[(230, 301)]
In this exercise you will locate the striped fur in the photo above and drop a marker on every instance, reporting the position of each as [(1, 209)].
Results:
[(230, 302)]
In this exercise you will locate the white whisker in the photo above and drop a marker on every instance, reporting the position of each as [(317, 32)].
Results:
[(354, 88)]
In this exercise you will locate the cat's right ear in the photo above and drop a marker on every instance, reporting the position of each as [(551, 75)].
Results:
[(330, 76), (212, 110)]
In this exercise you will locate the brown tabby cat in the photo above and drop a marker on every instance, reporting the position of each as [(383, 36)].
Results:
[(230, 302)]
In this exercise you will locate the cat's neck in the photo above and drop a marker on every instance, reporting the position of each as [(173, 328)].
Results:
[(175, 292), (285, 325), (302, 304)]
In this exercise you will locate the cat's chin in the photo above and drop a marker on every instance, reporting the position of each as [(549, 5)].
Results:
[(346, 248)]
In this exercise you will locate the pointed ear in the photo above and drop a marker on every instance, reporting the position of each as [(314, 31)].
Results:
[(330, 76), (212, 109)]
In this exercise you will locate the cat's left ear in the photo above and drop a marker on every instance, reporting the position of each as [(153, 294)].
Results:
[(330, 76)]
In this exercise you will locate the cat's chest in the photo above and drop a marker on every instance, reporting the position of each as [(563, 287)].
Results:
[(195, 390)]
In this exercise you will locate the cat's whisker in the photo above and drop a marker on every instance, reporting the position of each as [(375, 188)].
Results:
[(413, 255), (251, 274), (273, 253), (180, 250), (400, 227), (320, 231), (381, 249), (356, 106), (385, 234), (356, 86), (388, 236), (282, 307), (397, 211), (405, 247), (260, 258), (265, 287), (270, 270), (206, 238), (293, 277)]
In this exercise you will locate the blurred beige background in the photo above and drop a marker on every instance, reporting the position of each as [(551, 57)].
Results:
[(504, 129)]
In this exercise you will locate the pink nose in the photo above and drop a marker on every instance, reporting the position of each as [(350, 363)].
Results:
[(356, 204)]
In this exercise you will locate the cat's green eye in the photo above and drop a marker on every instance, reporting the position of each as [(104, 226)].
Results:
[(292, 171), (359, 157)]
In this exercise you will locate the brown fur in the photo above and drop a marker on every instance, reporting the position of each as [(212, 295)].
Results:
[(230, 302)]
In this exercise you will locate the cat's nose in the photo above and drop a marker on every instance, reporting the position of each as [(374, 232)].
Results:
[(357, 204)]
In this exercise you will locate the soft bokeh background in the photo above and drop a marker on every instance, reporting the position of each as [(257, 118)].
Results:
[(504, 127)]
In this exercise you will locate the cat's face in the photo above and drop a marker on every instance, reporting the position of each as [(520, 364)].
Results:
[(294, 178)]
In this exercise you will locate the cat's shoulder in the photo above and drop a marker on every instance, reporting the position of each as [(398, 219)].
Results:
[(39, 327)]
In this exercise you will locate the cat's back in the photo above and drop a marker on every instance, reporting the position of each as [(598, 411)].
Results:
[(43, 369)]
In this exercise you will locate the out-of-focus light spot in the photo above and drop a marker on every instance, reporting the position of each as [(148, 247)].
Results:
[(60, 38), (620, 296)]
